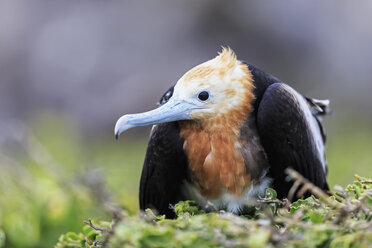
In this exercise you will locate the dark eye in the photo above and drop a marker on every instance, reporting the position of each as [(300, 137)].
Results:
[(203, 96)]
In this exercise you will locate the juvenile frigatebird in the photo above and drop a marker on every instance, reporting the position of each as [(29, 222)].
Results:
[(224, 133)]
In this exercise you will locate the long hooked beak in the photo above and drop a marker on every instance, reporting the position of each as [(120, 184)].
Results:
[(173, 110)]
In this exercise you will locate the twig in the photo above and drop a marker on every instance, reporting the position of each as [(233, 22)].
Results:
[(97, 242), (365, 181), (299, 179), (293, 190), (89, 223), (281, 203), (272, 201)]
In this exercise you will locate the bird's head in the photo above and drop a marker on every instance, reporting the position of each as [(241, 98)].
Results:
[(220, 88)]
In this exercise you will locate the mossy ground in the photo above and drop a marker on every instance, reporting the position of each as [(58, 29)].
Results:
[(343, 219)]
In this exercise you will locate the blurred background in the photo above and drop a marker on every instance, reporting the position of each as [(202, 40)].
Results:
[(69, 69)]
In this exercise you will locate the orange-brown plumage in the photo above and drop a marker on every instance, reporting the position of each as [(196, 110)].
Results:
[(214, 158), (199, 72), (212, 145)]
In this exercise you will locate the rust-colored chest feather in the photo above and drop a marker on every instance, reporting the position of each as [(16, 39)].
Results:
[(215, 160), (214, 156)]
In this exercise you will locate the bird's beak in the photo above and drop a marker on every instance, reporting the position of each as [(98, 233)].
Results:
[(173, 110)]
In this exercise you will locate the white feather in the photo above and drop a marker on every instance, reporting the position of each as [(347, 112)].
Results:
[(227, 201), (313, 125)]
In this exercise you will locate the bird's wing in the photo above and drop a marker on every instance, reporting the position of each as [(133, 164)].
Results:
[(291, 137), (164, 170)]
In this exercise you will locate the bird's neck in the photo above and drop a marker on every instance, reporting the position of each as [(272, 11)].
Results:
[(215, 160)]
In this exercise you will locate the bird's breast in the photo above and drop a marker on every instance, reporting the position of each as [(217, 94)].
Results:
[(215, 161)]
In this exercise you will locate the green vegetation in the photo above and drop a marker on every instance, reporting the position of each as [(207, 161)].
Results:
[(341, 220), (50, 183), (52, 178)]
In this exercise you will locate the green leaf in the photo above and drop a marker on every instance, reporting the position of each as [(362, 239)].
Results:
[(189, 207), (270, 194), (299, 203), (316, 217)]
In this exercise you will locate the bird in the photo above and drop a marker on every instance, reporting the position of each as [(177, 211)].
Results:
[(224, 133)]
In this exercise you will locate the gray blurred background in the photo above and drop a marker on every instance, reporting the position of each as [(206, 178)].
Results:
[(95, 60)]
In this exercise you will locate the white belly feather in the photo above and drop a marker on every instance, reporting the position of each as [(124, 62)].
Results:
[(227, 201)]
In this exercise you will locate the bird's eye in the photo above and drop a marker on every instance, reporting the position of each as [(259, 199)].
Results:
[(203, 96)]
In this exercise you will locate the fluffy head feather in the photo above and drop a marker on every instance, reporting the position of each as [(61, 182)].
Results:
[(227, 80)]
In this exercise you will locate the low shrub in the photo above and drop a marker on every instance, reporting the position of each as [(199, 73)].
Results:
[(342, 219)]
